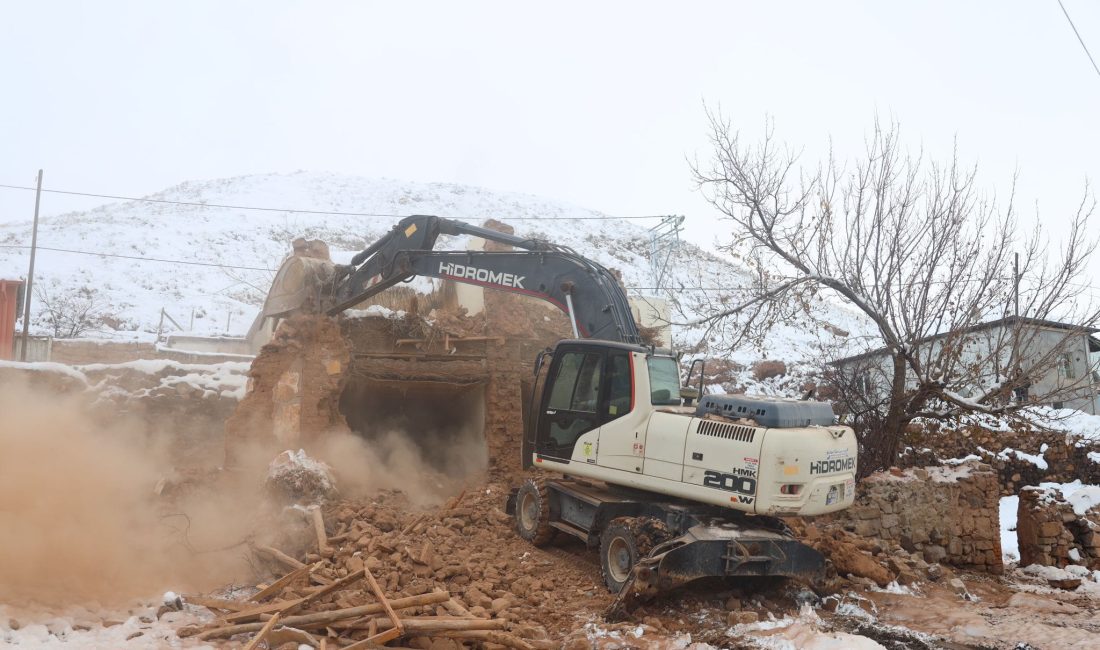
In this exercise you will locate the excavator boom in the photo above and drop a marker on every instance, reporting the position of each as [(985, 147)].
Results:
[(588, 293)]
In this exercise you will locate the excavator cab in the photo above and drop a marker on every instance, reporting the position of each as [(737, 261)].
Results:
[(583, 386), (586, 385)]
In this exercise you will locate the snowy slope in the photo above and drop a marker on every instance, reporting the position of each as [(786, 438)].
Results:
[(225, 299)]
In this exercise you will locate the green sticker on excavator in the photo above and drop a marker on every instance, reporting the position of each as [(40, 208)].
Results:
[(588, 449)]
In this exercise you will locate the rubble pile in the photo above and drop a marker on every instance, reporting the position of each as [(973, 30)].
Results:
[(454, 575)]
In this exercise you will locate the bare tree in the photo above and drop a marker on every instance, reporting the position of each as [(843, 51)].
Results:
[(915, 247), (69, 313)]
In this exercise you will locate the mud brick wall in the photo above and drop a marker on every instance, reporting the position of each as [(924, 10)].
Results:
[(76, 352), (950, 514), (1052, 534)]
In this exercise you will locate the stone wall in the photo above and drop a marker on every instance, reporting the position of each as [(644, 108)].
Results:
[(1066, 459), (1052, 533), (949, 514)]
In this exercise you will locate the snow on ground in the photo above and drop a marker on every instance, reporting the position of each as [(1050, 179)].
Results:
[(803, 632), (242, 249), (135, 628), (1010, 543)]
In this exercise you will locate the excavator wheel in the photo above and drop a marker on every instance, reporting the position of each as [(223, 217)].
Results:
[(533, 512), (623, 542)]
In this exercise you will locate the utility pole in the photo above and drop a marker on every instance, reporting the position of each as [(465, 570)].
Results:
[(663, 240), (30, 271)]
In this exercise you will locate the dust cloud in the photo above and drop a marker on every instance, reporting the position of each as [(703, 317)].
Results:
[(393, 459), (80, 520)]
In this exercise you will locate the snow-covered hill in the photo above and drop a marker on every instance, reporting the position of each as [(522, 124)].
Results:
[(223, 298)]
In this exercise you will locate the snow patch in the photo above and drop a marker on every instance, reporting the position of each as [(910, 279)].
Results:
[(1010, 543)]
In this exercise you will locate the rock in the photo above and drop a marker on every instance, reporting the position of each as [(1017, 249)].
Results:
[(1069, 584), (959, 587), (934, 553), (848, 559), (498, 605), (14, 624), (733, 604), (830, 603), (1038, 603), (906, 578), (530, 631), (742, 618)]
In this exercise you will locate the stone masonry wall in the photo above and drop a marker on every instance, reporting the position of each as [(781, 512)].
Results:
[(1051, 533), (1066, 458), (949, 514)]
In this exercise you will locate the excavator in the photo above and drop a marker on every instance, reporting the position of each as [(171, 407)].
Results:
[(670, 483)]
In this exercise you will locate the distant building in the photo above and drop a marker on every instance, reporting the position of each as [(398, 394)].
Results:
[(1058, 364)]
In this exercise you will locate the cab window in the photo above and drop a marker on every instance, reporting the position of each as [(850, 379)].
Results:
[(664, 381), (577, 385), (619, 379)]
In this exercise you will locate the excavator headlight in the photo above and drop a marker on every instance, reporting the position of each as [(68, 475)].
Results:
[(790, 488)]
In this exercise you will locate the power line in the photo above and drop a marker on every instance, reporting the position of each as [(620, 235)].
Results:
[(1079, 39), (116, 197), (141, 259)]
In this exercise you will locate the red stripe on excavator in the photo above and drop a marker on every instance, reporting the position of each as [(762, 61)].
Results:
[(527, 292), (631, 357)]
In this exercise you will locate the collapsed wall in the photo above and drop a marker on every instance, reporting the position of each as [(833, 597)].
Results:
[(949, 514), (451, 384), (294, 389), (1052, 531)]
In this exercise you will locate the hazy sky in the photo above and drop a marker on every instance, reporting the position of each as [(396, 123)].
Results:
[(596, 103)]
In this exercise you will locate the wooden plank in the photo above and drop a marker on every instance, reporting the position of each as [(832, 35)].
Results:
[(255, 612), (319, 528), (382, 638), (256, 640), (453, 607), (322, 619), (217, 603), (277, 586), (280, 556), (492, 636), (339, 584), (385, 602)]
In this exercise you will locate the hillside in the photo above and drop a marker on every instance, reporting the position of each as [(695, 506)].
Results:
[(240, 249)]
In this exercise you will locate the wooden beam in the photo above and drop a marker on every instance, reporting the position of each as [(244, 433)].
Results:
[(277, 586), (382, 638), (321, 619), (278, 555), (256, 640), (217, 603), (385, 602), (319, 528)]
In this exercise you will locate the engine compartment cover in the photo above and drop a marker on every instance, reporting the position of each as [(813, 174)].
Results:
[(771, 412)]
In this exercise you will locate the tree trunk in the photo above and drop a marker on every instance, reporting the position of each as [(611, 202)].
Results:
[(882, 441)]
